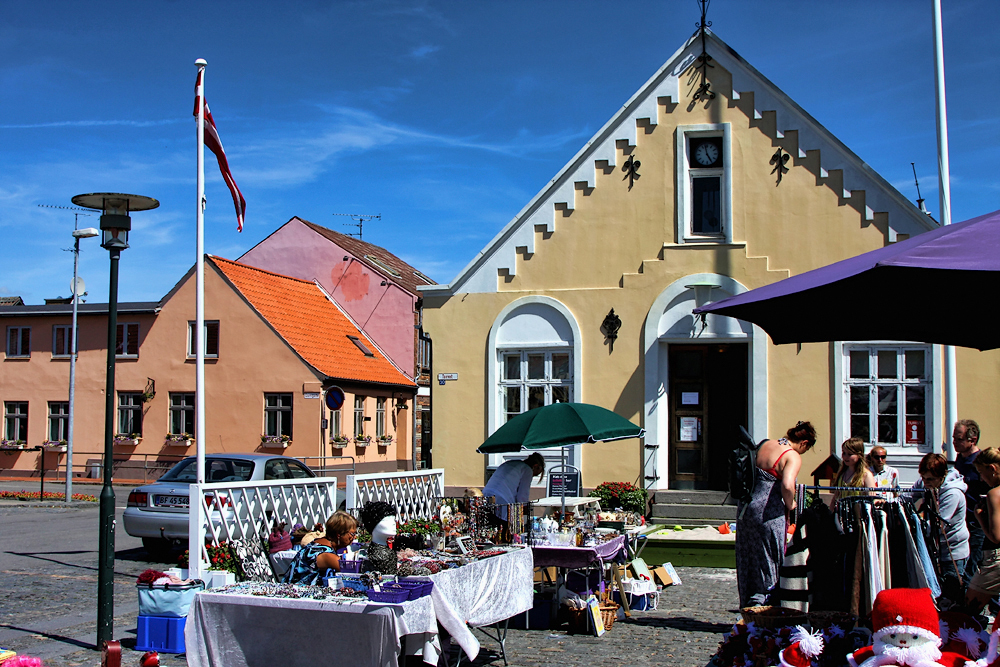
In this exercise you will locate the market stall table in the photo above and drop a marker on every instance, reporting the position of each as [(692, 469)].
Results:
[(571, 558), (245, 630)]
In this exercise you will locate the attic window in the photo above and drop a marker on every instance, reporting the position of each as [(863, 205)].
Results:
[(361, 346), (423, 277), (375, 260)]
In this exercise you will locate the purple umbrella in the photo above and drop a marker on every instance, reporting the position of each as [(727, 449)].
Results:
[(930, 288)]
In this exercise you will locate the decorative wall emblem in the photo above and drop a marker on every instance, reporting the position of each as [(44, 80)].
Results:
[(631, 169), (779, 160), (610, 326)]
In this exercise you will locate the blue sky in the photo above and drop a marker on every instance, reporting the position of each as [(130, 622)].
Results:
[(443, 117)]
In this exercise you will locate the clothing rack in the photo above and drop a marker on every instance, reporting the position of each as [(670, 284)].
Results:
[(878, 493)]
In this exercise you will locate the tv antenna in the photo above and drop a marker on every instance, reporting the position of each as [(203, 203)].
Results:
[(76, 216), (920, 200), (359, 222)]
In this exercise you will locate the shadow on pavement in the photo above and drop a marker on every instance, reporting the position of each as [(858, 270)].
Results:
[(140, 555), (683, 623), (49, 635)]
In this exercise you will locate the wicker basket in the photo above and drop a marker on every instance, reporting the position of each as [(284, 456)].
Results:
[(578, 620), (821, 620), (773, 617)]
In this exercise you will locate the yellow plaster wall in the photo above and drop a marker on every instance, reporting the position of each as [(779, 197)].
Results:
[(617, 249)]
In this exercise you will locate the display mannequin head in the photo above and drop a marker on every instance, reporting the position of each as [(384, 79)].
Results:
[(379, 519), (384, 529)]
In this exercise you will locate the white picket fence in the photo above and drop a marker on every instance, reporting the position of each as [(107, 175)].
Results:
[(222, 511), (414, 493)]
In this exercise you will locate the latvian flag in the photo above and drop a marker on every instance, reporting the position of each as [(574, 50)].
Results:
[(215, 145)]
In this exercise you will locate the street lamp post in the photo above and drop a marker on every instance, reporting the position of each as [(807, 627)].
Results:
[(115, 226), (85, 233)]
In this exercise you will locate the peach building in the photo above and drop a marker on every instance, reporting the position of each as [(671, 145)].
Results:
[(274, 346)]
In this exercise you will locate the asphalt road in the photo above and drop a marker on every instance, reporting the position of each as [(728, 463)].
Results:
[(48, 579), (48, 601)]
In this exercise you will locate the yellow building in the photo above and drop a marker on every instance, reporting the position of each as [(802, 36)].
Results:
[(690, 193)]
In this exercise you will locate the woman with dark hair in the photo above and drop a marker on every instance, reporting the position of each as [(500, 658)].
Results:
[(762, 526), (945, 498)]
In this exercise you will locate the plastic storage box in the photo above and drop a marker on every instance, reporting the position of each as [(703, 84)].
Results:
[(160, 633)]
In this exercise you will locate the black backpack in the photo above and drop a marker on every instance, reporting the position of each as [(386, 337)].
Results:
[(742, 467)]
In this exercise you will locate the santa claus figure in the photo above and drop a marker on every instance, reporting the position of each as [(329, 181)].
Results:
[(905, 631), (804, 648)]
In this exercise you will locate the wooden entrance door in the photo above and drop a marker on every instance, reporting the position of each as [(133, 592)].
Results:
[(708, 400)]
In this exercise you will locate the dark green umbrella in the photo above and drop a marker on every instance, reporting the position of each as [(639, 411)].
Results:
[(558, 425)]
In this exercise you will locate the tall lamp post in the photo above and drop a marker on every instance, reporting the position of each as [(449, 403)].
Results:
[(85, 233), (115, 226)]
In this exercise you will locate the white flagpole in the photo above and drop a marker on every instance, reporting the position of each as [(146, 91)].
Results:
[(199, 325), (944, 199)]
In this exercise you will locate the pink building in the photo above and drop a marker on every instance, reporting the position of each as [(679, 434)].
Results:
[(374, 287)]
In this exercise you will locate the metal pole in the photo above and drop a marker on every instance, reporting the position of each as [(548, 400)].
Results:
[(72, 373), (944, 200), (106, 555), (199, 309)]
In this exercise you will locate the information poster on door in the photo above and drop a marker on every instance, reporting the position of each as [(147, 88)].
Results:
[(689, 429)]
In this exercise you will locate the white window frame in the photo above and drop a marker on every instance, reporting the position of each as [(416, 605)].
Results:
[(67, 331), (284, 418), (124, 326), (379, 416), (548, 383), (359, 415), (685, 173), (19, 350), (59, 420), (930, 381), (180, 411), (337, 423), (191, 352), (132, 407)]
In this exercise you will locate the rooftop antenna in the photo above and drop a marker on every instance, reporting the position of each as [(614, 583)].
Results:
[(920, 200), (359, 222)]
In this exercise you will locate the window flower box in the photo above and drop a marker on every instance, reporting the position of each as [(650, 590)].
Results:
[(12, 445), (55, 446), (339, 440), (362, 440), (385, 440), (275, 441), (179, 440), (127, 439)]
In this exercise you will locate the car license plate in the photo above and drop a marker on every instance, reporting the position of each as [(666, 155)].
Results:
[(171, 501)]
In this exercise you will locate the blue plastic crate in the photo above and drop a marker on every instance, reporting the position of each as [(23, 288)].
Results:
[(164, 634), (635, 602)]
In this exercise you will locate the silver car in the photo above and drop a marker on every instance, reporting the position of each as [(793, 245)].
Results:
[(158, 512)]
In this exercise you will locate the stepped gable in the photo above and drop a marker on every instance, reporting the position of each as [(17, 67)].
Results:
[(851, 178), (311, 324), (405, 275)]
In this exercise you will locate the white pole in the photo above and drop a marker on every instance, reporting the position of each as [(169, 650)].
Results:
[(199, 323), (944, 199), (72, 368)]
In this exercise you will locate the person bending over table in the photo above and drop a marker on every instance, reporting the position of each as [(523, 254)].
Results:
[(323, 553), (510, 484)]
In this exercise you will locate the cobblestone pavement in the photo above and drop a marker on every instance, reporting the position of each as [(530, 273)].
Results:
[(48, 583)]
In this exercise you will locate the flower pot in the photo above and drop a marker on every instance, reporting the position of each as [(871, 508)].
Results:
[(276, 445), (55, 447), (217, 578), (187, 442), (127, 442)]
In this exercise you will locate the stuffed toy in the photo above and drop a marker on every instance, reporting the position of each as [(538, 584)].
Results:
[(905, 631), (804, 648), (992, 657), (379, 520), (962, 634)]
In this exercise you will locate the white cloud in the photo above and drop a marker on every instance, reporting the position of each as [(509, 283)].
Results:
[(424, 50)]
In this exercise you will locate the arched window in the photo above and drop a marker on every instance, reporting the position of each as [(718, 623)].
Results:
[(534, 361)]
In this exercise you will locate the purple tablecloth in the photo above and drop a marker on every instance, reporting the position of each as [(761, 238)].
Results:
[(577, 557)]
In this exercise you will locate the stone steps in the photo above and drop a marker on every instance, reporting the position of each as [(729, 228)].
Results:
[(693, 508)]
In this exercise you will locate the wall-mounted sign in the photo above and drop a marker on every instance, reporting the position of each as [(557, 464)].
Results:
[(310, 394), (689, 429), (447, 377), (689, 398), (914, 431), (334, 398)]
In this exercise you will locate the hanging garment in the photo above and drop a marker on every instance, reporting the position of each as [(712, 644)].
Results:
[(922, 565), (795, 575), (885, 566), (875, 576)]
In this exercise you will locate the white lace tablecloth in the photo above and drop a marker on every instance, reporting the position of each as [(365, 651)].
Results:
[(481, 593), (226, 630)]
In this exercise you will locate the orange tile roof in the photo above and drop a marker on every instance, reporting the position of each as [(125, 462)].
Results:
[(311, 324)]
